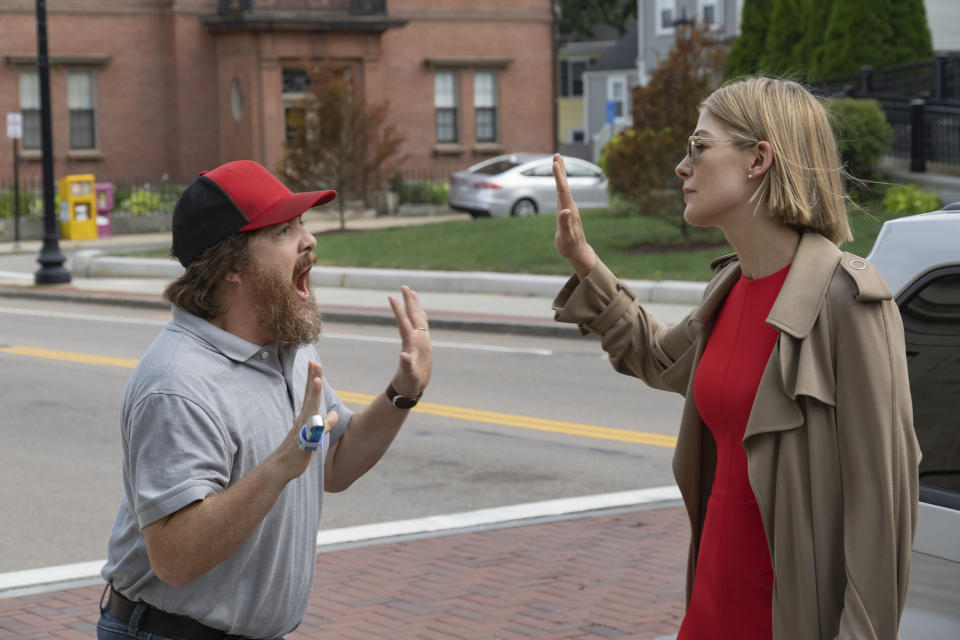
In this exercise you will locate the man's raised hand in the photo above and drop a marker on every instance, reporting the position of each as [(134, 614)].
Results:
[(416, 353)]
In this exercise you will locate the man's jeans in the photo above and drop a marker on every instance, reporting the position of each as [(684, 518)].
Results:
[(109, 628)]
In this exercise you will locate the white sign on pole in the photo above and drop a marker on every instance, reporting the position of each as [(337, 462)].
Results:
[(14, 125)]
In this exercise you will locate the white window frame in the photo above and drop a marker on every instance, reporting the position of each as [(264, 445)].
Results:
[(293, 101), (447, 103), (30, 106), (612, 82), (568, 64), (83, 99), (717, 13), (659, 7), (486, 101)]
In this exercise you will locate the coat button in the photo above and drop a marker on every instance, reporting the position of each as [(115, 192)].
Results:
[(264, 355)]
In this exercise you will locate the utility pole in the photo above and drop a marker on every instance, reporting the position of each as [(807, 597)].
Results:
[(51, 260)]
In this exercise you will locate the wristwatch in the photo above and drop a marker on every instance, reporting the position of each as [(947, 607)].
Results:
[(399, 401)]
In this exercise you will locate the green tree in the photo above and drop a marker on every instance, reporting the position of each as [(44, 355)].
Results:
[(813, 17), (912, 40), (579, 17), (856, 34), (340, 142), (750, 46), (639, 161), (784, 31), (816, 39)]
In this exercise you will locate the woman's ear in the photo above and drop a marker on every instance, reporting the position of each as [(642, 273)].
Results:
[(233, 277), (760, 159)]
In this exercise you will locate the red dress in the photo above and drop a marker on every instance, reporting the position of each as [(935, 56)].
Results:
[(733, 587)]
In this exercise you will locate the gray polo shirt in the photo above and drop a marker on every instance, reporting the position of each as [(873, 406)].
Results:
[(201, 410)]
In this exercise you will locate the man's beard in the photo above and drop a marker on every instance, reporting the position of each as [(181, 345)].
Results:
[(287, 317)]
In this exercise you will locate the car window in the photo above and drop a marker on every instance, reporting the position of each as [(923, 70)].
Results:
[(931, 322), (498, 167), (544, 170), (575, 170)]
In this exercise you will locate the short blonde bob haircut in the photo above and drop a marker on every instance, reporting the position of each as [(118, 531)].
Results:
[(804, 186)]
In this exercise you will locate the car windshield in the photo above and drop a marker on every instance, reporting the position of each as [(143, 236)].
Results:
[(497, 167)]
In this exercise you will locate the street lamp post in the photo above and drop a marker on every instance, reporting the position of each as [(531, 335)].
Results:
[(51, 260)]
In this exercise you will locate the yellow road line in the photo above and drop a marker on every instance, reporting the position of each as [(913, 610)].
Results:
[(447, 411), (539, 424), (69, 357)]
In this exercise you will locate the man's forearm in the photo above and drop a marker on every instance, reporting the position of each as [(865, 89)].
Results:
[(199, 537), (363, 444)]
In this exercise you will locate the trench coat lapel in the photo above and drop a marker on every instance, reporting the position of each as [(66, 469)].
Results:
[(801, 363), (797, 307), (727, 275)]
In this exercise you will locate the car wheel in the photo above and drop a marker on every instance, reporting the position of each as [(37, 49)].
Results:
[(524, 207)]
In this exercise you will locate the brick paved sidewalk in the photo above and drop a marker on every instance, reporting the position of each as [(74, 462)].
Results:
[(603, 576)]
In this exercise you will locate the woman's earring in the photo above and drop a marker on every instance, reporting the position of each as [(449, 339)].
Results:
[(749, 176)]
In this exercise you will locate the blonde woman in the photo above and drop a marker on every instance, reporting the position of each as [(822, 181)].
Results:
[(796, 454)]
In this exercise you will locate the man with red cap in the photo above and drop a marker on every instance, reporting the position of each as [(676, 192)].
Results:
[(231, 434)]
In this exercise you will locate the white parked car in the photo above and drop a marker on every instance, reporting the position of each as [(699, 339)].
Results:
[(919, 257), (521, 184)]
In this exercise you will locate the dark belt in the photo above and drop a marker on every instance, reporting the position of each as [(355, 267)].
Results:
[(169, 625)]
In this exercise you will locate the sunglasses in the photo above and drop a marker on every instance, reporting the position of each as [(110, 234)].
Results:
[(695, 146)]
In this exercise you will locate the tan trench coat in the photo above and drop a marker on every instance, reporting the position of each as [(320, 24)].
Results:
[(831, 451)]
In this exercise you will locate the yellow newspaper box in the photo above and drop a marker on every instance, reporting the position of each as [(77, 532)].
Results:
[(78, 207)]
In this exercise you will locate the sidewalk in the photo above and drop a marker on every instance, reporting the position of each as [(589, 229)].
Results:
[(616, 574)]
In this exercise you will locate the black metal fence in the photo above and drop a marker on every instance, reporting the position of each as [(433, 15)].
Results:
[(136, 194), (921, 101), (140, 195)]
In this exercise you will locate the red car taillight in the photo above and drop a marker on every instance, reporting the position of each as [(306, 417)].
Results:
[(486, 185)]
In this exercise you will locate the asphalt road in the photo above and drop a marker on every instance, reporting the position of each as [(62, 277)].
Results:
[(506, 420)]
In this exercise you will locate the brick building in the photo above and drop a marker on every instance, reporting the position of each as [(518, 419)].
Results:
[(147, 88)]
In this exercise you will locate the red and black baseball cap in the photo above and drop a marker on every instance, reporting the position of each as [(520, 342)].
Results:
[(236, 196)]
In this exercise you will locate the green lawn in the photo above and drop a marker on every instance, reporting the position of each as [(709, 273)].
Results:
[(525, 245)]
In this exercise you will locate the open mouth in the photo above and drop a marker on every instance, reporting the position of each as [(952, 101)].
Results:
[(303, 284), (302, 279)]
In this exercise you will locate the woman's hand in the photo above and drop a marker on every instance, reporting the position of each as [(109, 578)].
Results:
[(570, 238)]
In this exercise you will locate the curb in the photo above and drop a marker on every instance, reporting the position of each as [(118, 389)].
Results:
[(30, 581), (92, 263), (467, 322)]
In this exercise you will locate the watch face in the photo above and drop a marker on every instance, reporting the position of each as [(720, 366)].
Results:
[(399, 401), (404, 402)]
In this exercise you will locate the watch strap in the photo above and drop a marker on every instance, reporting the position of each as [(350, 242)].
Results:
[(399, 401)]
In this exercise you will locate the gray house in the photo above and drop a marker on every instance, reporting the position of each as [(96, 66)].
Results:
[(608, 81), (606, 94), (658, 19)]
